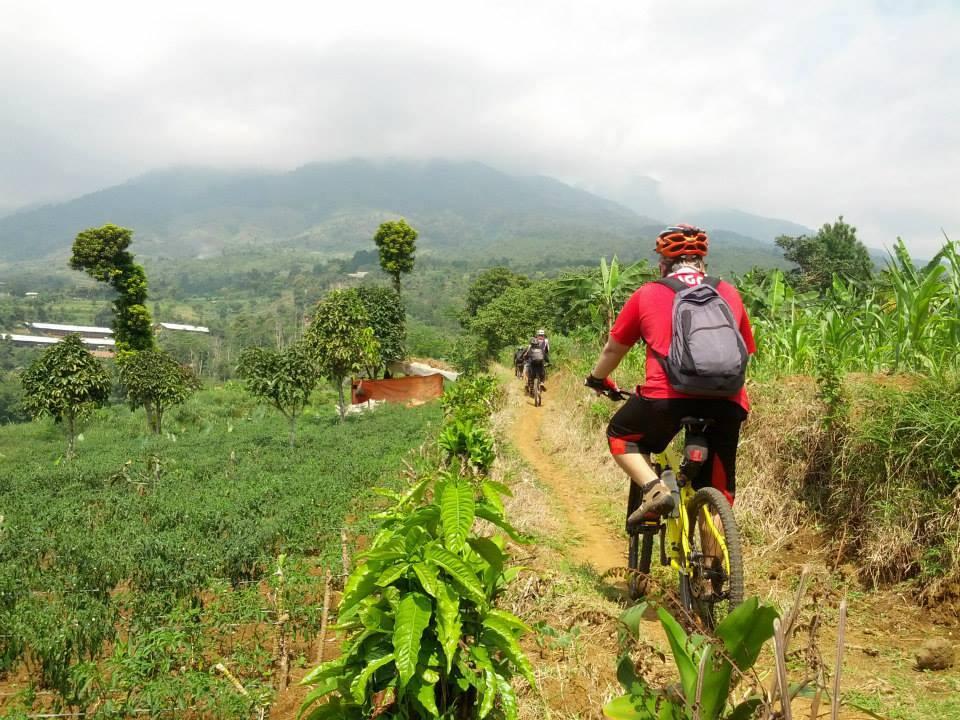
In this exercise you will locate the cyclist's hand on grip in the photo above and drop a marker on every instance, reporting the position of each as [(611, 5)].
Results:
[(603, 386)]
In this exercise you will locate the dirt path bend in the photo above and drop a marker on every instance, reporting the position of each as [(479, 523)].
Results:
[(594, 543)]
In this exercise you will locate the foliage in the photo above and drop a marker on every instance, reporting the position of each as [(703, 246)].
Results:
[(706, 667), (471, 398), (906, 322), (154, 379), (144, 558), (284, 378), (471, 444), (834, 250), (596, 297), (487, 287), (512, 318), (102, 254), (387, 318), (423, 636), (341, 339), (397, 243), (65, 382)]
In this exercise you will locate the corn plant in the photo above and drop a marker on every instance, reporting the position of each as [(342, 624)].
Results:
[(423, 635), (706, 666)]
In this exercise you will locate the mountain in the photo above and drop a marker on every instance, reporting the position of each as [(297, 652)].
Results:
[(746, 224), (462, 210)]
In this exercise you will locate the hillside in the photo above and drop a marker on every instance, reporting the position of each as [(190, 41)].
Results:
[(334, 208)]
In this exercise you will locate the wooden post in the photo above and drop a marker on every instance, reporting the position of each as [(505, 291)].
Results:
[(841, 631), (324, 617), (344, 553)]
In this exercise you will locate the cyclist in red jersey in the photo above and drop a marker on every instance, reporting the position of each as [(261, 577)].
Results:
[(649, 420)]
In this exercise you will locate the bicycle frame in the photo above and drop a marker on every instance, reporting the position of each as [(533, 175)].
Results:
[(676, 542)]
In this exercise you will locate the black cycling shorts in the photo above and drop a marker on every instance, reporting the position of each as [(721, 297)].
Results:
[(537, 370), (647, 426)]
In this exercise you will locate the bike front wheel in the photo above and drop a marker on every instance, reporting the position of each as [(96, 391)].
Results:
[(536, 392), (714, 585)]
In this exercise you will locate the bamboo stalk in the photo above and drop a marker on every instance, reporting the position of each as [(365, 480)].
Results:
[(841, 631), (324, 617), (220, 667), (344, 552), (780, 654)]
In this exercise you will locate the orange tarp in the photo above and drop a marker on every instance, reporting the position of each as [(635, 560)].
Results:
[(405, 389)]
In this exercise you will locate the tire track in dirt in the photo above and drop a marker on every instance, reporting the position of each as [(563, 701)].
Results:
[(595, 544)]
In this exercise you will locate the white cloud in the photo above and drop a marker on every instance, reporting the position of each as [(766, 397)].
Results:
[(803, 111)]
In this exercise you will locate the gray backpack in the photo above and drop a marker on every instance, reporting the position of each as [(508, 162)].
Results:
[(535, 353), (708, 356)]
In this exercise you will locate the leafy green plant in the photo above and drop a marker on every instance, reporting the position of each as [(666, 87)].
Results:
[(706, 667), (154, 379), (284, 378), (65, 382), (471, 398), (397, 243), (470, 443), (424, 638)]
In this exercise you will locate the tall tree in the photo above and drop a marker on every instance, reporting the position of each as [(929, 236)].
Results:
[(834, 250), (65, 382), (397, 242), (154, 379), (387, 318), (341, 339), (284, 378), (487, 287), (102, 254)]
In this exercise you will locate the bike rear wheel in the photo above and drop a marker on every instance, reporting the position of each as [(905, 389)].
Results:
[(536, 392), (713, 588)]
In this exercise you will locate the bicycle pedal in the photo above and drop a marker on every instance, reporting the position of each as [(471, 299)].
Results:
[(645, 527)]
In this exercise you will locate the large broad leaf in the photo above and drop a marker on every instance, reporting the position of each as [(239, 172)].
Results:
[(324, 671), (427, 575), (361, 581), (647, 707), (392, 574), (413, 616), (745, 630), (490, 514), (358, 688), (678, 644), (508, 618), (425, 694), (508, 698), (632, 617), (457, 511), (498, 634), (461, 573), (448, 621), (493, 556), (745, 710), (323, 689)]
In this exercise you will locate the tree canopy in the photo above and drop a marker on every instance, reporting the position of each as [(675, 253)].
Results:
[(102, 254), (488, 286), (387, 317), (283, 378), (341, 339), (834, 250), (397, 242), (65, 382), (153, 378)]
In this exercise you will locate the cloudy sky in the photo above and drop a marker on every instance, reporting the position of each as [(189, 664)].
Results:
[(795, 110)]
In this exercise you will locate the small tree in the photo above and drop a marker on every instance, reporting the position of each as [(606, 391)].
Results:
[(487, 287), (284, 378), (834, 250), (397, 242), (154, 379), (387, 318), (65, 382), (102, 254), (341, 339)]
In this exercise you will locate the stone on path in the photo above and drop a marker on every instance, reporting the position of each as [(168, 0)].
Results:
[(935, 654)]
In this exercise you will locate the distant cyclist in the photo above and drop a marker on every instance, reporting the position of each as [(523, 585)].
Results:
[(536, 356), (706, 357), (518, 361)]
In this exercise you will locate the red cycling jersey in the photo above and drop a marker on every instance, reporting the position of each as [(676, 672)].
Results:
[(648, 316)]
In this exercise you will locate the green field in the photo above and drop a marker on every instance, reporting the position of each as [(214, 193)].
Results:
[(128, 573)]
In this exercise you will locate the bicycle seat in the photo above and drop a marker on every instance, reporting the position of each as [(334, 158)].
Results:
[(696, 422)]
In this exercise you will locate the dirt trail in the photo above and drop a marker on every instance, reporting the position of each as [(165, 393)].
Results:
[(595, 545)]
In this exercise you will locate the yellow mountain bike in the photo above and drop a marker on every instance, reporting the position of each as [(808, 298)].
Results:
[(699, 540)]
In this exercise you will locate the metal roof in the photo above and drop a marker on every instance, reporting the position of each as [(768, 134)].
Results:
[(43, 340), (188, 328), (89, 329)]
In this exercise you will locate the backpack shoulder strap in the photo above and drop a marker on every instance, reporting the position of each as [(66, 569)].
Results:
[(712, 281), (673, 283)]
